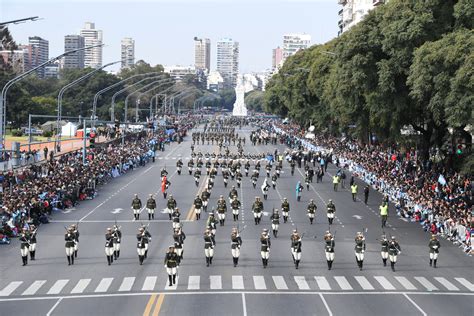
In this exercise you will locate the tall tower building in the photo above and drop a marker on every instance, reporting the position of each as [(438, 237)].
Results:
[(73, 60), (127, 52), (93, 56), (277, 57), (39, 53), (228, 61), (294, 42), (202, 53), (353, 11)]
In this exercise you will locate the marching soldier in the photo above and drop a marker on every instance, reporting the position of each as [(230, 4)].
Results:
[(247, 168), (366, 194), (221, 210), (257, 209), (235, 244), (142, 244), (198, 206), (33, 240), (225, 175), (292, 165), (24, 246), (179, 165), (329, 248), (150, 207), (179, 238), (171, 264), (205, 195), (163, 173), (331, 210), (359, 249), (233, 193), (212, 224), (274, 180), (254, 178), (208, 246), (354, 189), (307, 181), (175, 218), (69, 238), (190, 166), (384, 213), (265, 186), (170, 206), (165, 184), (285, 209), (235, 204), (136, 207), (117, 240), (238, 177), (311, 210), (275, 218), (75, 232), (384, 250), (197, 176), (296, 247), (434, 246), (265, 247), (109, 246), (393, 251)]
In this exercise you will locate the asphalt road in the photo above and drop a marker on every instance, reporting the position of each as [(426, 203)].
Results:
[(48, 286)]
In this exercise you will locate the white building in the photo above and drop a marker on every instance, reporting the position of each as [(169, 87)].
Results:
[(93, 56), (202, 53), (215, 82), (40, 53), (353, 11), (295, 42), (74, 60), (228, 61), (178, 72), (51, 70), (127, 52)]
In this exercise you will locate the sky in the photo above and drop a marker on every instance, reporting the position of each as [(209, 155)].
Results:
[(163, 30)]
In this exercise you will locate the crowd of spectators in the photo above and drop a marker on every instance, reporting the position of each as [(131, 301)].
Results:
[(439, 199)]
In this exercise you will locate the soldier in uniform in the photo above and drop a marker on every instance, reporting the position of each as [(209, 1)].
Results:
[(311, 210), (254, 178), (331, 210), (33, 240), (265, 186), (109, 246), (434, 246), (225, 175), (171, 205), (359, 249), (274, 180), (117, 234), (150, 207), (366, 194), (212, 224), (171, 264), (265, 245), (136, 207), (179, 236), (238, 177), (257, 209), (205, 195), (329, 248), (175, 218), (197, 176), (198, 206), (275, 218), (247, 168), (384, 250), (142, 243), (24, 245), (75, 231), (221, 209), (285, 209), (190, 166), (69, 238), (292, 165), (179, 165), (208, 246), (232, 193), (235, 244), (296, 247), (163, 173), (165, 184), (393, 251), (235, 204)]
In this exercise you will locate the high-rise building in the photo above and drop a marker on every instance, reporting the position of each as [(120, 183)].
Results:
[(202, 53), (73, 60), (295, 42), (277, 57), (92, 37), (127, 52), (39, 53), (353, 11), (228, 61)]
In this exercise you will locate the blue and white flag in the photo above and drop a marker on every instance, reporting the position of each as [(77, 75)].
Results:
[(441, 180)]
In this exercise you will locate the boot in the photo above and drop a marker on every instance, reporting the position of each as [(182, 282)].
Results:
[(118, 254), (108, 260), (393, 266), (237, 217), (75, 253), (207, 261), (149, 217), (384, 262), (23, 260), (285, 219), (138, 217), (68, 260), (153, 216), (431, 262), (235, 262), (434, 263), (140, 259), (210, 260), (276, 233), (72, 260), (115, 255), (311, 221), (146, 253), (297, 263), (361, 265), (329, 264), (169, 215), (174, 278), (32, 255), (170, 279), (263, 262), (255, 220)]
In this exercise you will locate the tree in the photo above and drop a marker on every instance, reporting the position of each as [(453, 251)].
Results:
[(254, 100)]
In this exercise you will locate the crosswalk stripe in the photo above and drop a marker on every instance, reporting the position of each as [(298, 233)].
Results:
[(33, 288), (323, 284), (466, 283), (427, 284), (81, 286), (447, 284), (259, 282), (193, 282), (405, 283), (384, 282), (280, 283), (343, 283), (103, 285), (127, 284), (301, 282), (172, 287), (10, 288), (364, 283), (58, 286), (149, 284), (216, 282), (237, 282)]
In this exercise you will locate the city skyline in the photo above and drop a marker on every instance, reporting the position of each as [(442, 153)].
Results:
[(257, 38)]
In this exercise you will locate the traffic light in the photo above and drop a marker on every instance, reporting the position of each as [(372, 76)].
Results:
[(459, 149), (92, 140)]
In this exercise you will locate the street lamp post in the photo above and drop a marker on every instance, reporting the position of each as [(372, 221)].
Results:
[(145, 92)]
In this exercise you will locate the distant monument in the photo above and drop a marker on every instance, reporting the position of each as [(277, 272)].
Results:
[(239, 106)]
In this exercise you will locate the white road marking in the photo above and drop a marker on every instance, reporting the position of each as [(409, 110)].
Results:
[(57, 287), (10, 288), (104, 285), (34, 287), (149, 284), (237, 282), (427, 284), (127, 284), (81, 286), (216, 282), (384, 282), (194, 282), (414, 304), (447, 284), (244, 305), (343, 283), (259, 282), (323, 284), (301, 282), (280, 283), (364, 283), (466, 283), (405, 283), (325, 304), (54, 307)]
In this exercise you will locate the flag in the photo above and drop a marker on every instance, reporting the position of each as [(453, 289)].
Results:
[(441, 180)]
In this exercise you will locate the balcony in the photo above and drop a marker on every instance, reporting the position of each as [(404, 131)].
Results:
[(377, 2)]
